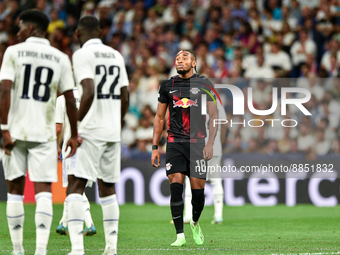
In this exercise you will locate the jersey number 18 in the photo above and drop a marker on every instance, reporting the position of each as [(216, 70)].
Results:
[(38, 83)]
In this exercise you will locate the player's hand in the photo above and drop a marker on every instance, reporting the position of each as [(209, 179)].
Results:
[(80, 140), (59, 153), (155, 155), (73, 144), (7, 140), (208, 151)]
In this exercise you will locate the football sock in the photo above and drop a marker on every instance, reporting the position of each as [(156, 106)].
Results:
[(43, 220), (110, 209), (88, 218), (180, 235), (76, 221), (63, 220), (177, 206), (187, 200), (197, 203), (218, 197), (15, 219)]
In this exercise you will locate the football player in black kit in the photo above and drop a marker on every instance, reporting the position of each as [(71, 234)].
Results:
[(186, 152)]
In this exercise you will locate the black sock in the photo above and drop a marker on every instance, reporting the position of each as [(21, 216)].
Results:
[(177, 205), (197, 203)]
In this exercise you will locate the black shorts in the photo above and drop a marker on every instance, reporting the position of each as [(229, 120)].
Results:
[(186, 158)]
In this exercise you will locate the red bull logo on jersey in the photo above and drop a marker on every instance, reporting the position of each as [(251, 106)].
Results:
[(185, 103)]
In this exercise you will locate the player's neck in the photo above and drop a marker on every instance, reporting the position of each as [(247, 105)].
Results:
[(37, 34), (186, 75), (87, 38)]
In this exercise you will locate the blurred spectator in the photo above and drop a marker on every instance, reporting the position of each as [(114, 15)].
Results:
[(293, 146), (284, 143), (235, 146), (55, 22), (252, 146), (278, 60), (301, 48), (334, 49), (323, 146), (152, 21), (248, 39), (305, 139), (335, 147), (221, 71), (260, 70), (144, 134)]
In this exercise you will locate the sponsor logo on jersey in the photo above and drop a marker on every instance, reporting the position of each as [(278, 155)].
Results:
[(194, 91), (185, 103), (168, 166)]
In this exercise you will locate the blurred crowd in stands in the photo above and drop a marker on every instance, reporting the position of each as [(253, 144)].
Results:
[(294, 41)]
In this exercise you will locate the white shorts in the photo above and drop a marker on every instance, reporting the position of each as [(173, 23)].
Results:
[(98, 160), (69, 165), (39, 158), (214, 171)]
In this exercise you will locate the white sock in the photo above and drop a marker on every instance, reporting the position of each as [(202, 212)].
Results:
[(88, 218), (218, 197), (110, 217), (43, 220), (187, 200), (194, 223), (75, 221), (180, 235), (63, 220), (15, 219)]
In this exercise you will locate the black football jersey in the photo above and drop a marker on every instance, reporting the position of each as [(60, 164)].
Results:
[(186, 123)]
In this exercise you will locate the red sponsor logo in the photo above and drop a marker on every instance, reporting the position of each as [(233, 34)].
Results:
[(185, 103)]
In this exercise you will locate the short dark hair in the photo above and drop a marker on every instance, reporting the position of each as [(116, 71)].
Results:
[(36, 17), (191, 52), (89, 23)]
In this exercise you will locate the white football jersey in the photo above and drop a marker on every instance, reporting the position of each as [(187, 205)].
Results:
[(62, 118), (107, 69), (217, 149), (36, 70)]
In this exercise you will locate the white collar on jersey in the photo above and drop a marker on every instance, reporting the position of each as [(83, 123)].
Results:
[(38, 40), (92, 41)]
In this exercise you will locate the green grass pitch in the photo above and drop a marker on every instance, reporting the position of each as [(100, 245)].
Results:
[(246, 230)]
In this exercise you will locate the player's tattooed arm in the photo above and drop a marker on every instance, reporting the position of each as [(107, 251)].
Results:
[(157, 132), (124, 100), (208, 149), (5, 102)]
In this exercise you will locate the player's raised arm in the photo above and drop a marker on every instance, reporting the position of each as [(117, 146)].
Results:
[(208, 149), (157, 132), (5, 102)]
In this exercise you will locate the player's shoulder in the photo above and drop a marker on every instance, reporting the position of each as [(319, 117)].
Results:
[(116, 53), (57, 51), (15, 47), (169, 81), (203, 79)]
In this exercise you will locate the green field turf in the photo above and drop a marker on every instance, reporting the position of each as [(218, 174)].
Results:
[(246, 230)]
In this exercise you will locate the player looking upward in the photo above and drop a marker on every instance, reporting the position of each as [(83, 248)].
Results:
[(186, 146)]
